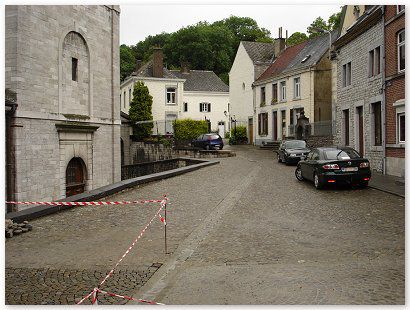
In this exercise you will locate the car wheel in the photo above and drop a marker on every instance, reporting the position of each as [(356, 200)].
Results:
[(298, 174), (317, 182), (221, 147), (279, 160)]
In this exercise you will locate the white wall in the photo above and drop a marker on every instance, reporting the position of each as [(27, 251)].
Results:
[(241, 99), (219, 104)]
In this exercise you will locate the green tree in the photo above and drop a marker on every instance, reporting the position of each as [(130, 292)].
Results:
[(141, 110), (334, 21), (127, 61), (296, 38), (318, 23)]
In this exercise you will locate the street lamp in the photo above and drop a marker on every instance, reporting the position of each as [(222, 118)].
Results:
[(320, 30)]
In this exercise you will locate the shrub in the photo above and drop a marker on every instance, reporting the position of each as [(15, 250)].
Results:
[(241, 136), (189, 129)]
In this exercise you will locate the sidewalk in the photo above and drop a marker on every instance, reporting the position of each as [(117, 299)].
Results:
[(387, 183)]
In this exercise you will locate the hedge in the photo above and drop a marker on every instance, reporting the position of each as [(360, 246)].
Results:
[(241, 136), (189, 129)]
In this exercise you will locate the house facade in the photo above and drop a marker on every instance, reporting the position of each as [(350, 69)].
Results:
[(178, 94), (62, 62), (359, 110), (299, 80), (394, 40), (251, 60)]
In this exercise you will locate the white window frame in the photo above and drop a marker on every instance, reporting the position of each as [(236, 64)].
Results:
[(174, 92), (283, 91), (398, 114), (399, 44), (263, 91), (275, 85), (296, 88), (204, 107)]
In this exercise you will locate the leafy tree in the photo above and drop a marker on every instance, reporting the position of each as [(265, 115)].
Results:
[(318, 23), (296, 38), (334, 21), (141, 110), (127, 61)]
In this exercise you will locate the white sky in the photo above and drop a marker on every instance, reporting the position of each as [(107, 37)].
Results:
[(141, 20)]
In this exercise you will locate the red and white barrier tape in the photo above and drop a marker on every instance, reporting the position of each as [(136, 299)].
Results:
[(83, 203), (133, 244)]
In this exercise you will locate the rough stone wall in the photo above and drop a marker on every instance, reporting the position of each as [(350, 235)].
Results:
[(125, 138), (319, 141), (145, 152), (362, 92), (34, 70)]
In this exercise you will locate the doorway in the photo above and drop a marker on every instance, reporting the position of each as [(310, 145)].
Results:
[(275, 126), (250, 125), (75, 180), (360, 131)]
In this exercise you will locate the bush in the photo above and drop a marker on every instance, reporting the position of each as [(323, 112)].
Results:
[(241, 136), (141, 110), (227, 135), (189, 129)]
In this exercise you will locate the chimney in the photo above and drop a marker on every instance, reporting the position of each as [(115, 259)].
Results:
[(138, 63), (158, 63), (279, 46), (185, 67)]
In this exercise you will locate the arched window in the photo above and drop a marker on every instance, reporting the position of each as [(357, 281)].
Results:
[(401, 50), (75, 177)]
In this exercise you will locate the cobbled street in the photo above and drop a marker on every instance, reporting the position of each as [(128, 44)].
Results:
[(244, 231)]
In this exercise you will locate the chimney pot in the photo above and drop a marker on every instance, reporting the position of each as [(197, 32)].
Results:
[(185, 67)]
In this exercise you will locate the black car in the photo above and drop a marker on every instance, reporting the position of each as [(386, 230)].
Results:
[(291, 151), (208, 141), (334, 165)]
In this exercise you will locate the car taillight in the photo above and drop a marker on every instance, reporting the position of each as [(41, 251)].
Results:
[(364, 165), (331, 166)]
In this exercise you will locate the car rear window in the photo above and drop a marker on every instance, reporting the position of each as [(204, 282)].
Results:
[(297, 144), (337, 154), (213, 136)]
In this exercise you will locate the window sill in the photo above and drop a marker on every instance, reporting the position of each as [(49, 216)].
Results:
[(374, 77), (397, 145), (376, 148), (282, 101), (297, 98), (347, 87), (171, 103)]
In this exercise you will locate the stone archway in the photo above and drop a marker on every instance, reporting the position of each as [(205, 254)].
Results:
[(75, 177)]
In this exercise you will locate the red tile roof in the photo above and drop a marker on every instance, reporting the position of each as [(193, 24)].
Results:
[(282, 61)]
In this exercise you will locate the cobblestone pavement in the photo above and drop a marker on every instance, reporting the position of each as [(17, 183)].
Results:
[(273, 241)]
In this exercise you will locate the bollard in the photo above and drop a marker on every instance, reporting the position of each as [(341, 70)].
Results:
[(165, 230)]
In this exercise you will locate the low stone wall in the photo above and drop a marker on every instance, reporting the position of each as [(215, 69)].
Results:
[(140, 169), (141, 152), (319, 141)]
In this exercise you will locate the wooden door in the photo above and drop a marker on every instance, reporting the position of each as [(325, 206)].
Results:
[(275, 126), (361, 132), (75, 181), (250, 123)]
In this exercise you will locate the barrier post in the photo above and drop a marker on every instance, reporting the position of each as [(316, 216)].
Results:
[(165, 230), (94, 300)]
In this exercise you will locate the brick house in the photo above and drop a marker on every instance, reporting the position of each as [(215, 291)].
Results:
[(394, 30), (62, 63), (359, 106)]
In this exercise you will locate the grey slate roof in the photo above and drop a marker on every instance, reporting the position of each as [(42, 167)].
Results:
[(315, 48), (199, 80), (146, 71), (258, 51)]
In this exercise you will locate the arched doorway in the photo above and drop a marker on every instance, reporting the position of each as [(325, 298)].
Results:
[(75, 177)]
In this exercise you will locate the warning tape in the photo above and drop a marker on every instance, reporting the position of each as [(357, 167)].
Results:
[(82, 203), (163, 202)]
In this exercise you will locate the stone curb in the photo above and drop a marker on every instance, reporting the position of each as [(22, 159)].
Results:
[(98, 193), (386, 191)]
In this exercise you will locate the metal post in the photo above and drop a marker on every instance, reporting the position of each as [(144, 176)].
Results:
[(165, 230)]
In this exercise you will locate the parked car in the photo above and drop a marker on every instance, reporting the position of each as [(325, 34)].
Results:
[(291, 151), (334, 165), (208, 141)]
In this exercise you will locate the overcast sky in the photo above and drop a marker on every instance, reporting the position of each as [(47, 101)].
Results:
[(139, 21)]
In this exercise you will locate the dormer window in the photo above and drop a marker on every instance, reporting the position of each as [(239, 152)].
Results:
[(171, 95)]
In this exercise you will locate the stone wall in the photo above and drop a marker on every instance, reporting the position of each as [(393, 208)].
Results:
[(41, 41), (141, 152), (319, 141), (362, 92)]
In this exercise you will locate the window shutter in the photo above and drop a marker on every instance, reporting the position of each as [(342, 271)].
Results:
[(200, 107), (209, 107)]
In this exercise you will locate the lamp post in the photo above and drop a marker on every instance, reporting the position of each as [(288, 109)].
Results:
[(320, 30), (233, 120)]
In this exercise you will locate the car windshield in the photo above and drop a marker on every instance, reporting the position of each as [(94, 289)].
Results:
[(336, 154), (213, 137), (297, 144)]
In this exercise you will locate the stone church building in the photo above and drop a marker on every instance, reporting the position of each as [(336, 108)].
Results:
[(62, 63)]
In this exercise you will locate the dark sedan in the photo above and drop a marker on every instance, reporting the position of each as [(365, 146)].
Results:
[(291, 151), (334, 165), (208, 141)]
